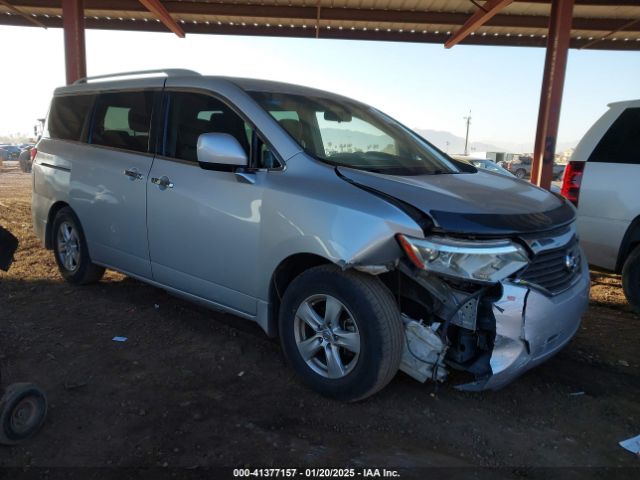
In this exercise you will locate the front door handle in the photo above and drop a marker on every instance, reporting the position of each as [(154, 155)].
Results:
[(163, 182), (133, 174)]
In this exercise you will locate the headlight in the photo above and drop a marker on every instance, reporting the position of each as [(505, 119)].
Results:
[(485, 261)]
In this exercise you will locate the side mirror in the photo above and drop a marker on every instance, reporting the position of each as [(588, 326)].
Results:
[(220, 151)]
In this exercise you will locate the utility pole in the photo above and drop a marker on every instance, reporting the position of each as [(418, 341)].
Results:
[(466, 139)]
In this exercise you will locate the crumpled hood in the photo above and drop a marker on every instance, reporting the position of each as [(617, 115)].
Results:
[(472, 203)]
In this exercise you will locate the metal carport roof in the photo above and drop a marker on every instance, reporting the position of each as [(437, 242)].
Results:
[(597, 24)]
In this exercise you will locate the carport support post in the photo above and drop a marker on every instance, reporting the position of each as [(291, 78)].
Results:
[(555, 66), (74, 48)]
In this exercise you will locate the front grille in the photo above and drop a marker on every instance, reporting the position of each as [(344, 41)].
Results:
[(554, 270)]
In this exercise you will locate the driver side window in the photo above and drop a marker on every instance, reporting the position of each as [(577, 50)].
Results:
[(192, 114)]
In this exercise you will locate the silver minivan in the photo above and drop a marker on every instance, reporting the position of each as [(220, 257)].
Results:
[(364, 248)]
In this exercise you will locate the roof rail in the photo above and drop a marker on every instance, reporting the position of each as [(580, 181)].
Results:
[(169, 72)]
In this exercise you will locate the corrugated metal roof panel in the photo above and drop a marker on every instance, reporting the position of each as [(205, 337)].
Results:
[(518, 21)]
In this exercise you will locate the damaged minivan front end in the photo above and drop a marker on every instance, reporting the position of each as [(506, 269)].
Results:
[(495, 308), (492, 295)]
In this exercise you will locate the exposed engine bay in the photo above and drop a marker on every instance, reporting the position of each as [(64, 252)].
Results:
[(492, 331), (459, 326)]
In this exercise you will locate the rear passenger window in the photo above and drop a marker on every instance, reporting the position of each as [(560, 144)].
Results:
[(621, 144), (191, 115), (68, 116), (123, 120)]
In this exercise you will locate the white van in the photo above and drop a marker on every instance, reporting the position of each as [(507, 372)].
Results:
[(603, 181)]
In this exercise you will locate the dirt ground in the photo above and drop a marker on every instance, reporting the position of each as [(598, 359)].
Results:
[(194, 388)]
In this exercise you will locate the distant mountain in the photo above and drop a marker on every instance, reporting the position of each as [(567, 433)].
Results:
[(448, 142), (338, 139), (456, 144)]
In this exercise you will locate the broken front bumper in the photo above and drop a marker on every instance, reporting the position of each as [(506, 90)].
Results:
[(531, 326)]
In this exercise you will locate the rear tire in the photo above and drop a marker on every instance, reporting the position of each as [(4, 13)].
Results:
[(631, 279), (355, 345), (521, 173), (70, 250), (25, 166)]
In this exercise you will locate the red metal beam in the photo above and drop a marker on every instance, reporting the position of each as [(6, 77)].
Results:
[(479, 18), (555, 66), (26, 16), (74, 47), (613, 32), (595, 3), (161, 13)]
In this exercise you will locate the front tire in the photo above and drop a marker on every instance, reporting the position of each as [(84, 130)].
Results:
[(341, 332), (631, 279), (70, 250), (521, 173)]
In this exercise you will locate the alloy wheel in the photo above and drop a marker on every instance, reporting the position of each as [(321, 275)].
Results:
[(68, 247), (327, 336)]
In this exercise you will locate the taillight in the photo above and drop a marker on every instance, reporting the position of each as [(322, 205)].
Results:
[(571, 181), (33, 153)]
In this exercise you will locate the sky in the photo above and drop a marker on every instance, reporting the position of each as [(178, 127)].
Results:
[(424, 86)]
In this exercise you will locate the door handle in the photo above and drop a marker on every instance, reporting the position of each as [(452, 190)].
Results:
[(163, 182), (133, 174)]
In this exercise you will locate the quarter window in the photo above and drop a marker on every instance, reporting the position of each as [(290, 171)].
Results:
[(68, 116), (621, 143), (123, 120)]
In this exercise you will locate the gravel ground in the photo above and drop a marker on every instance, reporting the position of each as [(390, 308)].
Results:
[(194, 388)]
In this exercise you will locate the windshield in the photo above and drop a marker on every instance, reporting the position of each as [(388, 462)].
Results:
[(346, 133)]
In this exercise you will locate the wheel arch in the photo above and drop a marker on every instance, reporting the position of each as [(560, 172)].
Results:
[(286, 271), (53, 211), (630, 240)]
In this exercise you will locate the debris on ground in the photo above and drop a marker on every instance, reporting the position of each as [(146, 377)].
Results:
[(631, 444), (75, 385)]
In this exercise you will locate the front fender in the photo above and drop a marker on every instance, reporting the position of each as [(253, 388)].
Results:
[(310, 209)]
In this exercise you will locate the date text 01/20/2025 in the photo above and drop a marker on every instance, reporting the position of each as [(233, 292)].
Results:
[(316, 473)]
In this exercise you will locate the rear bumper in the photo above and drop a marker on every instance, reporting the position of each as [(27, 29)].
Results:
[(530, 328)]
